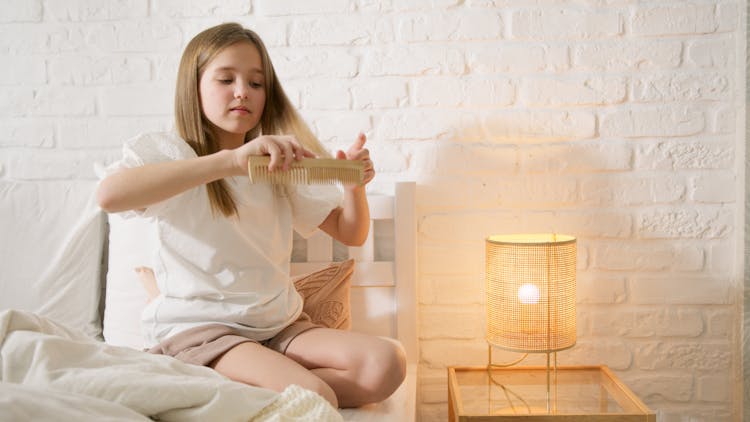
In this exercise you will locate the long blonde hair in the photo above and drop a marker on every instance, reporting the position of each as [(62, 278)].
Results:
[(279, 116)]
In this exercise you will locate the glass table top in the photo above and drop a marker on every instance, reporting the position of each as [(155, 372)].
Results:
[(523, 390)]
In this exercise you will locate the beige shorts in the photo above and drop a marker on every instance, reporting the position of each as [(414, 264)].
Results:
[(203, 345)]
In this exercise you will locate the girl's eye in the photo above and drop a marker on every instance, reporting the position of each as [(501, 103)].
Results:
[(256, 85), (225, 81)]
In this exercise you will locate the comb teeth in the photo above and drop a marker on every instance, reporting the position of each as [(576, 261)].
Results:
[(308, 171)]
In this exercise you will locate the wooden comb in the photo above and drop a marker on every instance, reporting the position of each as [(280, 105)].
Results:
[(308, 171)]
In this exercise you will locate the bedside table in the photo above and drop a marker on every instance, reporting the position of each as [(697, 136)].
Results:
[(581, 394)]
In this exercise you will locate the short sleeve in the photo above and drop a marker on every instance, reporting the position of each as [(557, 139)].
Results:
[(150, 148), (311, 204)]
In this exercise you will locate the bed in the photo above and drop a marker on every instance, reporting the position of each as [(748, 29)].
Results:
[(69, 336)]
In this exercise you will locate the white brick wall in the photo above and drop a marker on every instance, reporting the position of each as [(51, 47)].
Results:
[(620, 122)]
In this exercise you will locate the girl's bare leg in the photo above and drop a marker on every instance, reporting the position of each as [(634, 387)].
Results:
[(257, 365), (360, 368)]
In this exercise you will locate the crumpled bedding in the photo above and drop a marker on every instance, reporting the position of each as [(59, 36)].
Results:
[(50, 372)]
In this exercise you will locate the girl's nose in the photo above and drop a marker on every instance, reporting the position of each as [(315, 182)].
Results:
[(240, 92)]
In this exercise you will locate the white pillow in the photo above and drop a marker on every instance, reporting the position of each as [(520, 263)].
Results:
[(132, 242), (52, 241)]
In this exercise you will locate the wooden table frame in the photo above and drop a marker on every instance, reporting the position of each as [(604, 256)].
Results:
[(634, 410)]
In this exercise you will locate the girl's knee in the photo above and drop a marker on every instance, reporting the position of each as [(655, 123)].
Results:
[(317, 385), (387, 369)]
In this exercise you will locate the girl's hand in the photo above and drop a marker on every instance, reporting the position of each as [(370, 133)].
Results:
[(282, 149), (358, 152)]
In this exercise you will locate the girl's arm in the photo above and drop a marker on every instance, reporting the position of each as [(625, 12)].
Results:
[(139, 187), (350, 223)]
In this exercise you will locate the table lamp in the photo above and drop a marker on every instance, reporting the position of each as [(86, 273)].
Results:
[(531, 295)]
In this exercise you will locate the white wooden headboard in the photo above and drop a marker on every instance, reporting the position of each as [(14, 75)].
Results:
[(384, 299)]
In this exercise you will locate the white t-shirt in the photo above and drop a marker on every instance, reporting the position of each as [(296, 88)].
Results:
[(214, 269)]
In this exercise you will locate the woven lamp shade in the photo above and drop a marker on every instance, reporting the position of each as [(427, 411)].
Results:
[(531, 292)]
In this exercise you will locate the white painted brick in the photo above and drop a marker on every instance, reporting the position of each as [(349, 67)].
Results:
[(648, 256), (672, 387), (680, 290), (332, 30), (21, 10), (589, 224), (666, 322), (433, 124), (539, 126), (666, 121), (612, 322), (22, 39), (455, 290), (451, 258), (272, 31), (668, 87), (88, 70), (138, 100), (329, 94), (154, 35), (684, 355), (714, 388), (483, 192), (634, 54), (33, 133), (450, 322), (340, 126), (705, 222), (721, 323), (466, 159), (295, 7), (611, 351), (94, 10), (723, 119), (165, 68), (685, 154), (307, 63), (23, 70), (466, 227), (710, 53), (54, 164), (551, 191), (577, 158), (378, 93), (632, 189), (722, 256), (714, 187), (502, 57), (201, 8), (438, 91), (411, 60), (16, 101), (592, 90), (470, 25), (552, 23), (106, 132), (600, 288), (64, 101), (673, 19), (727, 14), (495, 92), (442, 353)]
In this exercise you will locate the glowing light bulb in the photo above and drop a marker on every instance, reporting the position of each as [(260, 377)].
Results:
[(528, 294)]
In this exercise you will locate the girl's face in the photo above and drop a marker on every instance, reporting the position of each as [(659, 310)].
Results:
[(232, 92)]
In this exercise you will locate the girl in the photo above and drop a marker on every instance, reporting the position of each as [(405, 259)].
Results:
[(225, 297)]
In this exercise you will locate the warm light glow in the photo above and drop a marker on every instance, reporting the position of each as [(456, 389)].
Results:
[(531, 286), (528, 294)]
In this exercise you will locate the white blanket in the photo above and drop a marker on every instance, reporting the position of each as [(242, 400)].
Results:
[(49, 372)]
